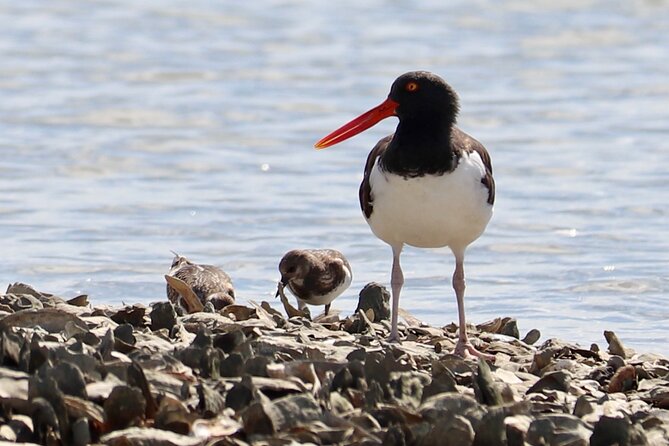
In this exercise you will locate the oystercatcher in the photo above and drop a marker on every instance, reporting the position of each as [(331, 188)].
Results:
[(427, 185), (314, 276)]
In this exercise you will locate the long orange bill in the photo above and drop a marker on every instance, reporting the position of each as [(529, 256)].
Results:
[(359, 124)]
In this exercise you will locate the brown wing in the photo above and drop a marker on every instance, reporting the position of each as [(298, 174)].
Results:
[(365, 193), (325, 275), (205, 280), (463, 142)]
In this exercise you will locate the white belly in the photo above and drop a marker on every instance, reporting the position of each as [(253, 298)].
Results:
[(330, 296), (433, 210)]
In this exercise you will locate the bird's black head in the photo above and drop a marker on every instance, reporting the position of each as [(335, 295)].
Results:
[(421, 94), (420, 99)]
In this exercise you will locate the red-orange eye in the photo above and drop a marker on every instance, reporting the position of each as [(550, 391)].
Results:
[(411, 86)]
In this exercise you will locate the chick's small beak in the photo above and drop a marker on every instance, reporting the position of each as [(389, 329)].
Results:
[(279, 288)]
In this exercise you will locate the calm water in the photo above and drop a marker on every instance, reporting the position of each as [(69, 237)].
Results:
[(129, 129)]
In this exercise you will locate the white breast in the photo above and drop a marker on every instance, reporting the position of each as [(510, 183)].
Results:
[(433, 210), (334, 293)]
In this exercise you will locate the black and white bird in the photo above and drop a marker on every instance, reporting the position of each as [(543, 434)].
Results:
[(314, 276), (428, 185), (207, 282)]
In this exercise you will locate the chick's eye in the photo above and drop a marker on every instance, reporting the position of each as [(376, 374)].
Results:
[(411, 86)]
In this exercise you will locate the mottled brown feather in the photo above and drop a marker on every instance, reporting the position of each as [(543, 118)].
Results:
[(206, 281), (325, 273)]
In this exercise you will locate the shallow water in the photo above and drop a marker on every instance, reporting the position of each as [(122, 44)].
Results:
[(129, 129)]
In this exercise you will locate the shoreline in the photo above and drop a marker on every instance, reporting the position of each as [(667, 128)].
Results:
[(72, 373)]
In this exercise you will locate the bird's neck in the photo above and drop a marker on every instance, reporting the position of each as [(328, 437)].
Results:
[(420, 146)]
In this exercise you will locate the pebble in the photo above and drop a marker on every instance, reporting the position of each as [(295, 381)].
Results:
[(74, 373)]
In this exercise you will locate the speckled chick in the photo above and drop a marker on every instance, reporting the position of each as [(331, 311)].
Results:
[(208, 282), (314, 276)]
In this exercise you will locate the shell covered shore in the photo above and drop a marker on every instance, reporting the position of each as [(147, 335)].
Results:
[(73, 373)]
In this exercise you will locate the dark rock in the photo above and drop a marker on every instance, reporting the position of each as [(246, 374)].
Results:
[(359, 354), (81, 434), (491, 430), (394, 436), (615, 362), (232, 365), (558, 429), (378, 366), (541, 359), (374, 297), (68, 378), (615, 346), (516, 429), (163, 315), (229, 341), (510, 328), (79, 301), (441, 382), (24, 288), (137, 378), (281, 414), (90, 339), (210, 363), (200, 355), (445, 405), (388, 415), (406, 389), (210, 402), (46, 387), (241, 394), (532, 336), (133, 315), (23, 433), (10, 347), (340, 405), (375, 394), (125, 406), (342, 380), (37, 356), (552, 381), (78, 408), (619, 431), (239, 312), (45, 421), (136, 436), (256, 366), (124, 332), (583, 406), (173, 415), (106, 346), (203, 337), (453, 431), (484, 386)]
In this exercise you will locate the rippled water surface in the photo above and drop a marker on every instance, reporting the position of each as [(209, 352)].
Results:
[(129, 129)]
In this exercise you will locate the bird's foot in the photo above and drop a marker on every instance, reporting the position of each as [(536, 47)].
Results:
[(394, 338), (465, 349)]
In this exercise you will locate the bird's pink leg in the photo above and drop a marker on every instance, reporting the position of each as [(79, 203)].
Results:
[(463, 347), (396, 282)]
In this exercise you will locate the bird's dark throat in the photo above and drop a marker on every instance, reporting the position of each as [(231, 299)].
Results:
[(420, 147)]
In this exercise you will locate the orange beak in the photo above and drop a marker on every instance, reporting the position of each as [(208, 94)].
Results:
[(359, 124)]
